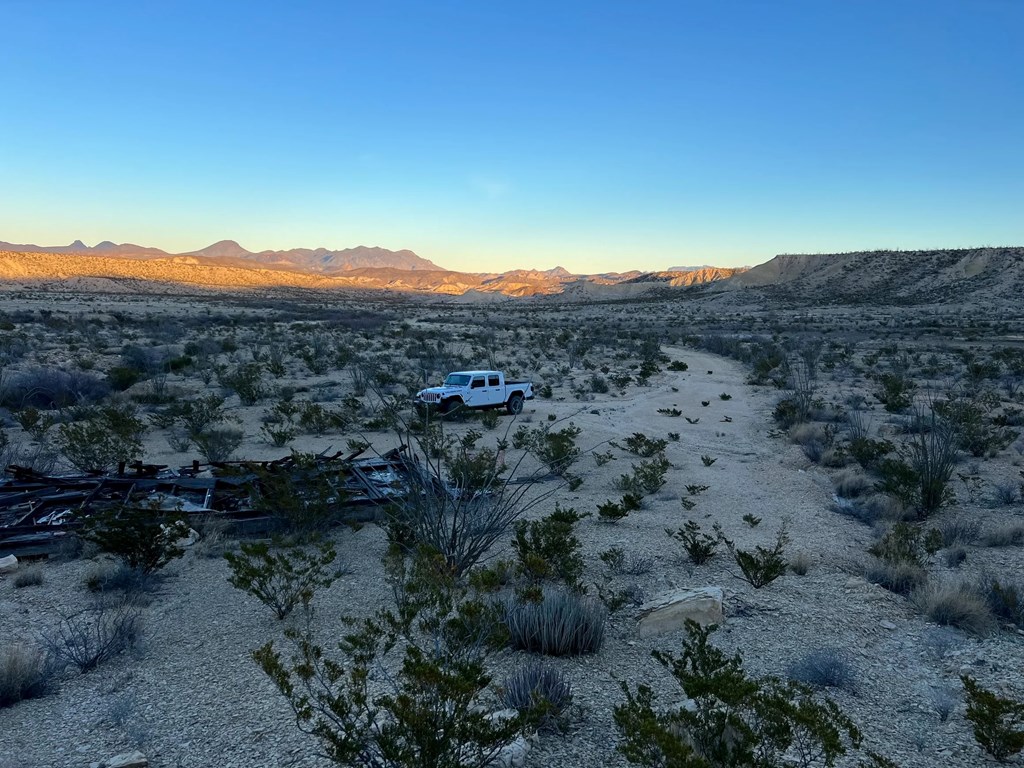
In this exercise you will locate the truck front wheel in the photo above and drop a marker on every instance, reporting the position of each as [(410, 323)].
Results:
[(515, 405)]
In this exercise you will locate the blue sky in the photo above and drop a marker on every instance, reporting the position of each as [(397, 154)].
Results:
[(487, 136)]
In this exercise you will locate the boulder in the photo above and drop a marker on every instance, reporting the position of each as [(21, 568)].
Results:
[(669, 611), (8, 564)]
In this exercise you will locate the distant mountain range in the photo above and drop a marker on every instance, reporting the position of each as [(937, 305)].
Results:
[(312, 260), (873, 277), (227, 264)]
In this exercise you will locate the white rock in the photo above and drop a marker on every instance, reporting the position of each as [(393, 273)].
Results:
[(127, 760), (669, 611), (8, 564)]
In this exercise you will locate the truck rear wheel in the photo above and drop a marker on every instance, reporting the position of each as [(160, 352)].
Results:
[(515, 405)]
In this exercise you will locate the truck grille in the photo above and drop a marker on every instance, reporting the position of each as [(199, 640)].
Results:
[(430, 397)]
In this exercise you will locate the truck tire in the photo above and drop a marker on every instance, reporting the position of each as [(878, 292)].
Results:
[(515, 404), (449, 406)]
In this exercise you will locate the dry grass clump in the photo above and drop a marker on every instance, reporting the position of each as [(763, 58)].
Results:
[(851, 484), (902, 577), (1007, 535), (25, 673), (30, 577), (956, 605)]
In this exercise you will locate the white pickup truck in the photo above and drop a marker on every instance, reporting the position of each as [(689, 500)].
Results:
[(478, 390)]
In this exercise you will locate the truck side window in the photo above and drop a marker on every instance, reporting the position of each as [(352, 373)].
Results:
[(477, 383), (492, 381)]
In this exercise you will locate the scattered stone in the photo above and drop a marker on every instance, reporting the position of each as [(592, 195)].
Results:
[(134, 759), (886, 624), (669, 612)]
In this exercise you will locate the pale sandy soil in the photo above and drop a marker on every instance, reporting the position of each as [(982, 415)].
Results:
[(191, 697)]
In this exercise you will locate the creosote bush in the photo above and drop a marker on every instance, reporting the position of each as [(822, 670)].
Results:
[(998, 721), (761, 566), (284, 577), (548, 549), (735, 719), (144, 538), (433, 710)]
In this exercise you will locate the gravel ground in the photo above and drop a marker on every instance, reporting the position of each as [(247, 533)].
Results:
[(189, 695)]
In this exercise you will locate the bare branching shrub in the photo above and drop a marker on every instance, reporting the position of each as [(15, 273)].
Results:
[(825, 668), (463, 524), (95, 635)]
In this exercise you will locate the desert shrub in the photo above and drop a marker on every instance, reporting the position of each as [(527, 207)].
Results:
[(867, 452), (955, 605), (303, 501), (896, 393), (700, 547), (431, 711), (25, 673), (548, 548), (733, 719), (998, 721), (284, 577), (921, 481), (107, 436), (851, 485), (970, 418), (644, 446), (825, 668), (560, 624), (959, 530), (218, 444), (800, 563), (461, 526), (761, 566), (246, 381), (632, 564), (108, 576), (29, 577), (903, 542), (475, 472), (611, 512), (556, 449), (901, 577), (1007, 535), (50, 388), (1005, 599), (648, 476), (144, 538), (95, 635), (1006, 493), (540, 693), (678, 365)]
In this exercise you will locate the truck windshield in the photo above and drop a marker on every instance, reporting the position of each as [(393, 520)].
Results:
[(456, 380)]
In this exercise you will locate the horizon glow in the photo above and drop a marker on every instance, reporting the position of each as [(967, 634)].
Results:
[(594, 136)]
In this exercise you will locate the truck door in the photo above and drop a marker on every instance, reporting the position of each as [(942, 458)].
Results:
[(495, 392), (477, 392)]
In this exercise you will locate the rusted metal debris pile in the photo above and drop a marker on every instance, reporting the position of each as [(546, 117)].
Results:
[(38, 512)]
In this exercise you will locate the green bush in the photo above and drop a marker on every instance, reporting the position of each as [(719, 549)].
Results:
[(735, 720), (700, 547), (998, 721), (548, 549), (762, 566), (144, 538), (107, 436), (284, 577), (433, 713)]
